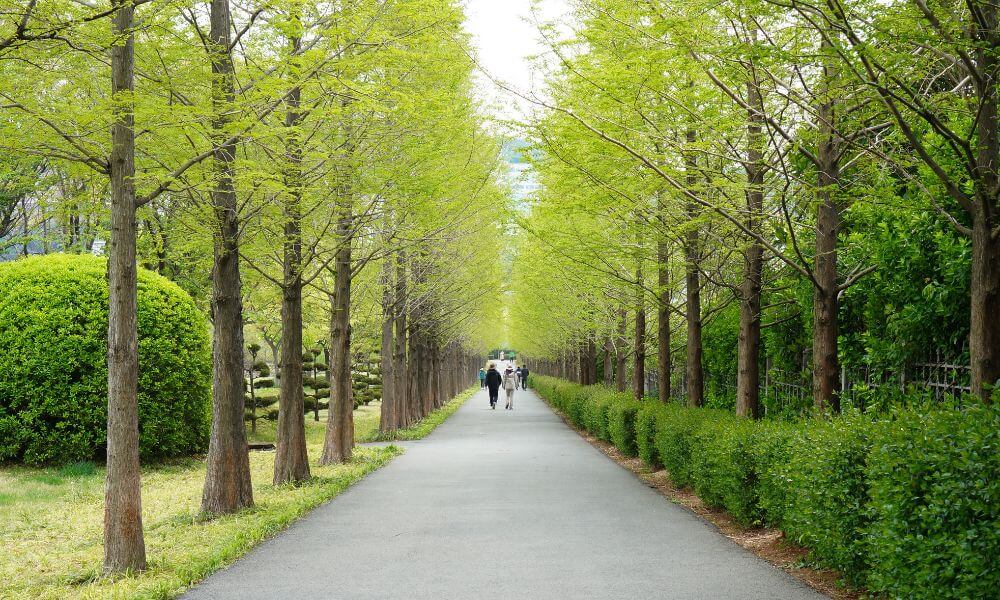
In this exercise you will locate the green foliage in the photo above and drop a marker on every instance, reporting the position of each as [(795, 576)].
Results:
[(53, 362), (720, 336), (622, 424), (935, 505)]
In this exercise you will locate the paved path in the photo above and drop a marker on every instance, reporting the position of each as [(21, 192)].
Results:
[(501, 504)]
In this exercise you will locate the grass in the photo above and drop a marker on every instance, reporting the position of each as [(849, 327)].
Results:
[(423, 427), (51, 520)]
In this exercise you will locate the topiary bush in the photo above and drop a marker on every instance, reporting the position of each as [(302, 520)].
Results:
[(934, 482), (621, 425), (53, 362)]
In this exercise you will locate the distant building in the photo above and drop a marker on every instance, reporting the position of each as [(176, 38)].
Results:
[(520, 176)]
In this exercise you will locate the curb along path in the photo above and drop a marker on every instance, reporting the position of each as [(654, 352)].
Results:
[(501, 504)]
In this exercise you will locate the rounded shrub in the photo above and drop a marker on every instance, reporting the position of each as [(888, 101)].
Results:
[(53, 362)]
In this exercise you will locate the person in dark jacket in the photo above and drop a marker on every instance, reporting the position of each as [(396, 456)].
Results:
[(493, 382), (524, 378)]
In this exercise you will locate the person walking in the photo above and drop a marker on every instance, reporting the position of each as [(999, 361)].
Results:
[(517, 377), (509, 385), (493, 382), (524, 378), (482, 378)]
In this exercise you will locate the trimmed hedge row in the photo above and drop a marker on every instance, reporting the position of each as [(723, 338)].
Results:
[(906, 504)]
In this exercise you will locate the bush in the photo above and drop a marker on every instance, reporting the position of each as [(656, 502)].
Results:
[(264, 401), (53, 362), (596, 416), (674, 437), (726, 466), (935, 505), (773, 449), (261, 368), (621, 425), (263, 383), (646, 422), (826, 491)]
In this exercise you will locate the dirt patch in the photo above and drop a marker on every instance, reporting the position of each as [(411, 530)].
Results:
[(769, 544)]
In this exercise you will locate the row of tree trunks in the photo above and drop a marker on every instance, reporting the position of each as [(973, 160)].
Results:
[(419, 373)]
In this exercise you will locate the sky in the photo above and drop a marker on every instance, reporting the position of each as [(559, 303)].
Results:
[(505, 37)]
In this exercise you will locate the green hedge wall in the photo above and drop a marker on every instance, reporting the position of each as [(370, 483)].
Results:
[(621, 425), (906, 504), (53, 362)]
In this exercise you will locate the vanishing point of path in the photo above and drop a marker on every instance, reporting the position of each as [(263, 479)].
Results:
[(500, 504)]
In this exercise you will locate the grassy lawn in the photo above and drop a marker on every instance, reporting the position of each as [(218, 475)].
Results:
[(51, 520)]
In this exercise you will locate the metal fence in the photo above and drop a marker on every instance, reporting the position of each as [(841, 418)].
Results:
[(939, 375)]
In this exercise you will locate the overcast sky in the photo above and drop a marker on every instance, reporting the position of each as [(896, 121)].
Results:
[(505, 36)]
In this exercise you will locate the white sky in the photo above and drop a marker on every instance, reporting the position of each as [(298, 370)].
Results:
[(506, 36)]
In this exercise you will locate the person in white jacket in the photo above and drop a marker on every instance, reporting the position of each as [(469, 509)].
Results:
[(509, 385)]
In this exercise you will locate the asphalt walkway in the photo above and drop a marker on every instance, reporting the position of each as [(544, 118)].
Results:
[(500, 504)]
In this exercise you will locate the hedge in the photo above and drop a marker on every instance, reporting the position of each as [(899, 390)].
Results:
[(621, 425), (906, 504), (646, 422), (53, 362)]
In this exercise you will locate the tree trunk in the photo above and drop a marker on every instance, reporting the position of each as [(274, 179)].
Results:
[(620, 357), (388, 419), (826, 371), (291, 462), (340, 422), (124, 546), (609, 373), (663, 318), (639, 349), (748, 359), (227, 481), (695, 376), (984, 332), (400, 390)]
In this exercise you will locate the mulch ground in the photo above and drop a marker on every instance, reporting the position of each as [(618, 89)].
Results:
[(769, 544)]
